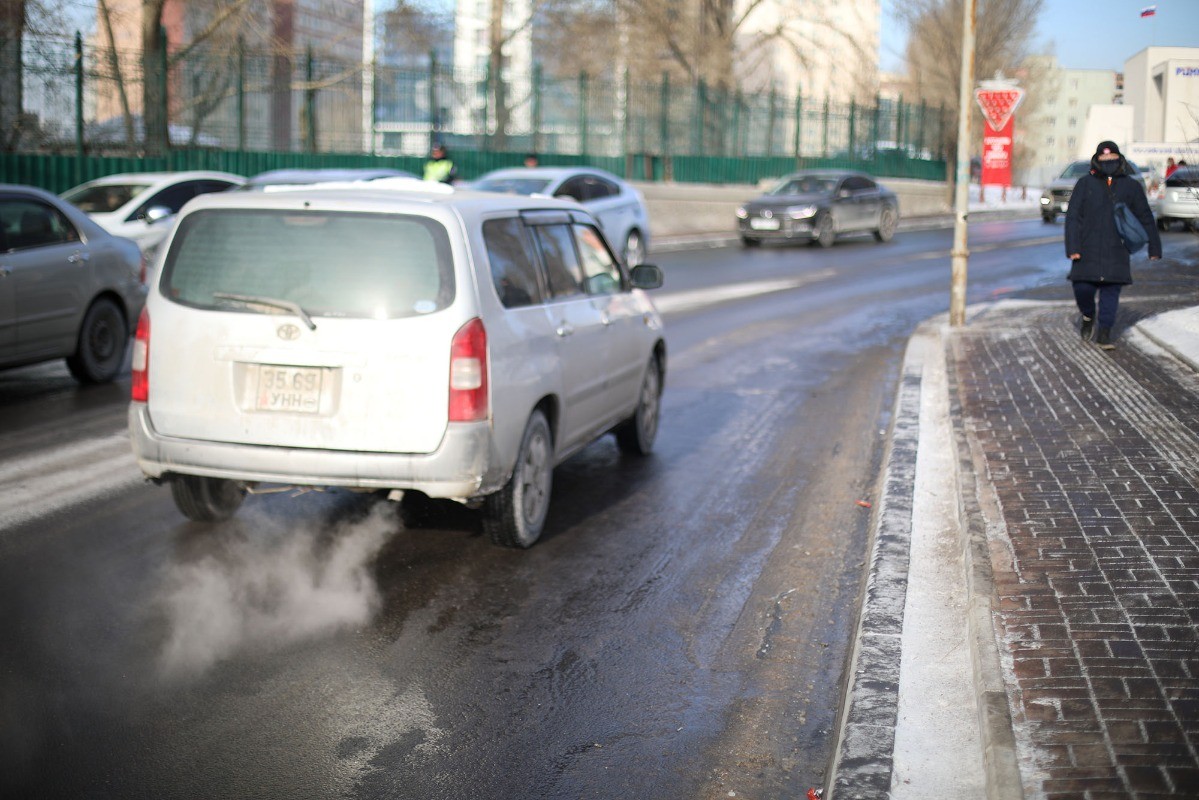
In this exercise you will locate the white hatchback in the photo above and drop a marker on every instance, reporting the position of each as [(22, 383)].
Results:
[(423, 342)]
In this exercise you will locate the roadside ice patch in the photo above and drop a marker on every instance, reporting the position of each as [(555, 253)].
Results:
[(271, 589)]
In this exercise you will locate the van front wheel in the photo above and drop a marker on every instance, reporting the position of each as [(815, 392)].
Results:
[(207, 499), (515, 515)]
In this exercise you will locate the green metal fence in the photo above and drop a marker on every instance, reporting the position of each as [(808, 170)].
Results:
[(245, 110)]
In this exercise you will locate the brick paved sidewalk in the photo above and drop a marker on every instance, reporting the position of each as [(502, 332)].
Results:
[(1092, 459)]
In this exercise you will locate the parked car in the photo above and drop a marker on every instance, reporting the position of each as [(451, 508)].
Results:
[(1056, 197), (1180, 200), (68, 288), (142, 205), (619, 208), (817, 206), (426, 344), (304, 177)]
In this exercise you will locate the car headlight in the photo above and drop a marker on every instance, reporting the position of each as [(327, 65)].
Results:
[(801, 212), (1044, 199), (741, 212)]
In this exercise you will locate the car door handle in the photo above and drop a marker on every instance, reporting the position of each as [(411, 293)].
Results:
[(78, 257), (564, 330)]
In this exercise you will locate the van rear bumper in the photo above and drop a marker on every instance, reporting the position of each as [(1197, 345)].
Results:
[(462, 468)]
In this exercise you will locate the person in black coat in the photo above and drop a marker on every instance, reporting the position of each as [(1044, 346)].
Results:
[(1099, 260)]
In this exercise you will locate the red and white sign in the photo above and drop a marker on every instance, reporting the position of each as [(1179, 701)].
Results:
[(998, 101)]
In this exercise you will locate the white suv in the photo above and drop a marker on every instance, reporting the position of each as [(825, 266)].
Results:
[(412, 339)]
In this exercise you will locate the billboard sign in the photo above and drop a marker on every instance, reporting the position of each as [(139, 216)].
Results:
[(998, 100)]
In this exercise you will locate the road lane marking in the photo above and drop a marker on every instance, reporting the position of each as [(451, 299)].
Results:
[(698, 298), (41, 483)]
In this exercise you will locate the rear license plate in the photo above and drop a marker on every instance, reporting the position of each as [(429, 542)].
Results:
[(760, 224), (296, 389)]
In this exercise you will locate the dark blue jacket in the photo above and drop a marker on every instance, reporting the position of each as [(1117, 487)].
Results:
[(1091, 228)]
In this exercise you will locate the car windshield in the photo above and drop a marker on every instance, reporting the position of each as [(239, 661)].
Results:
[(103, 198), (1077, 170), (807, 184), (329, 264), (1185, 177), (524, 186)]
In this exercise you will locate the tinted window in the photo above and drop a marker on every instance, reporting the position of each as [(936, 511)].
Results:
[(105, 198), (28, 223), (331, 264), (573, 189), (803, 185), (601, 274), (855, 184), (596, 188), (173, 197), (562, 269), (513, 264), (1185, 177)]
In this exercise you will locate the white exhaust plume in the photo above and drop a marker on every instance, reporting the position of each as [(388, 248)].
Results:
[(270, 590)]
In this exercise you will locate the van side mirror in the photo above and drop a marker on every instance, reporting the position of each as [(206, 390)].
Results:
[(646, 276)]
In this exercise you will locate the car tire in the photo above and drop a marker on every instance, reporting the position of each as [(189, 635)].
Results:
[(636, 434), (887, 221), (100, 349), (515, 515), (634, 249), (203, 499), (1049, 219), (822, 230), (749, 241)]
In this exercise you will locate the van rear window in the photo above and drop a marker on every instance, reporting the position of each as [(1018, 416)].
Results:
[(370, 266)]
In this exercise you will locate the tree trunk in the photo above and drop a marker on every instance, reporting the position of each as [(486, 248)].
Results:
[(154, 79), (115, 63), (12, 30), (495, 60)]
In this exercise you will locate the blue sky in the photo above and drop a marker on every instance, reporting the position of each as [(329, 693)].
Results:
[(1084, 34)]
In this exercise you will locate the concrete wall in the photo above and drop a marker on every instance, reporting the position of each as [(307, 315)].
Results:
[(680, 209)]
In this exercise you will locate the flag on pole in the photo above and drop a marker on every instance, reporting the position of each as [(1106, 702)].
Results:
[(1148, 11)]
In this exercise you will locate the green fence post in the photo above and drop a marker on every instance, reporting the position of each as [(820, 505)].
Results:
[(583, 113), (537, 143), (664, 116), (78, 108), (309, 103), (433, 115), (824, 136), (900, 128), (878, 103), (241, 94), (798, 126), (853, 113)]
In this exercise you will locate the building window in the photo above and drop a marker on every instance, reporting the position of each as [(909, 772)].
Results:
[(1073, 122)]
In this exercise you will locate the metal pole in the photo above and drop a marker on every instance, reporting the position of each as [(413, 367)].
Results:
[(960, 254)]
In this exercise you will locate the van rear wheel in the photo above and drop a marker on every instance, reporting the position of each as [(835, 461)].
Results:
[(515, 515), (207, 499)]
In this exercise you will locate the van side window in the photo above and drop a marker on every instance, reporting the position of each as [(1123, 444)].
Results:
[(562, 269), (601, 273), (513, 264)]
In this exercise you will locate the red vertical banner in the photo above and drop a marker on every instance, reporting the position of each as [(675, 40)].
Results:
[(998, 100), (997, 154)]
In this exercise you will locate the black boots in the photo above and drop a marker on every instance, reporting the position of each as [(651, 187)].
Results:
[(1104, 339), (1088, 325)]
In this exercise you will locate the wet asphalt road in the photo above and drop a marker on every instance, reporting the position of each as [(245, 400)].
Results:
[(680, 632)]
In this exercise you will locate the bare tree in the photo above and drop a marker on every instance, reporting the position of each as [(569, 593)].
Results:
[(1003, 36), (12, 34)]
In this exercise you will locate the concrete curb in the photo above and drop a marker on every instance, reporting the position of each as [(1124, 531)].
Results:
[(864, 753)]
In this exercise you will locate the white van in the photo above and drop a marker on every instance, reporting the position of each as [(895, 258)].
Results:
[(410, 339)]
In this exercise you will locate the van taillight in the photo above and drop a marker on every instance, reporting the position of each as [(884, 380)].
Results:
[(468, 373), (141, 359)]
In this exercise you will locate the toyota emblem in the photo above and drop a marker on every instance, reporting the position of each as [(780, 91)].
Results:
[(289, 333)]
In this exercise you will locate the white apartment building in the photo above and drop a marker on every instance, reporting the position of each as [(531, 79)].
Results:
[(822, 49), (1056, 133), (1162, 86)]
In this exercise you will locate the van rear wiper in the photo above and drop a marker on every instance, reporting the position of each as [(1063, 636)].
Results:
[(270, 302)]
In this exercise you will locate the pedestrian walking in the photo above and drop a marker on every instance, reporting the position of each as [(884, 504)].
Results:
[(1099, 260), (1170, 167), (439, 167)]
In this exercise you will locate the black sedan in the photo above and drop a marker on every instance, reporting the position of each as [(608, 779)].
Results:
[(817, 206)]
